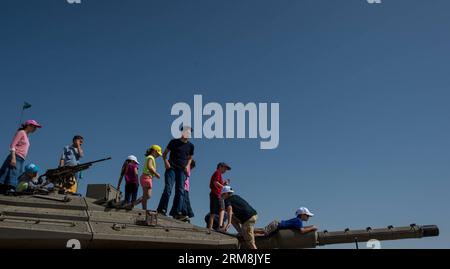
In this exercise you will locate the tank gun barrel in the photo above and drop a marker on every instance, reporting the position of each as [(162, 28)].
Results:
[(288, 239), (380, 234), (70, 170)]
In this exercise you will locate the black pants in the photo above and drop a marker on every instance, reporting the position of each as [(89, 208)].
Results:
[(131, 190)]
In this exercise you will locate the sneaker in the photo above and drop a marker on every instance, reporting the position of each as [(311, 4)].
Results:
[(162, 213), (181, 218)]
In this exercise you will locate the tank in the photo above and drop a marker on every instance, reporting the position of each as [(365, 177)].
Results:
[(71, 221)]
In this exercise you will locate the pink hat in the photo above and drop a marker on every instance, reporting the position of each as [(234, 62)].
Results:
[(32, 122)]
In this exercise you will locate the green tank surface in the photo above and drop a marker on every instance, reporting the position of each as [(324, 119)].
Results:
[(58, 221), (68, 221)]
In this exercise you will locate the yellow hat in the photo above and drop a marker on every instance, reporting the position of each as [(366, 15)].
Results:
[(157, 148)]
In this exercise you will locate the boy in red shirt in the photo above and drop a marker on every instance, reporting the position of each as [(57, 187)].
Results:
[(216, 203)]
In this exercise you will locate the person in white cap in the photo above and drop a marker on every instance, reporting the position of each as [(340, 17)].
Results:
[(302, 214), (241, 215), (130, 170)]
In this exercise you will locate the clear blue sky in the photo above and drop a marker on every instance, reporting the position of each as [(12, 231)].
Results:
[(363, 93)]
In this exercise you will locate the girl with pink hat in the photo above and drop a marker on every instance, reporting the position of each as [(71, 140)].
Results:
[(13, 166)]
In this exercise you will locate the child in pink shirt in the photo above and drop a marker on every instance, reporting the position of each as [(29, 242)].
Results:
[(13, 166)]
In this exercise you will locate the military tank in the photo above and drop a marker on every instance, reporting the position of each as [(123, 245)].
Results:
[(56, 218), (71, 221)]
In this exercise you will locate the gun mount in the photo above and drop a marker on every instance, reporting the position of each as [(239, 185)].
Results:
[(63, 177)]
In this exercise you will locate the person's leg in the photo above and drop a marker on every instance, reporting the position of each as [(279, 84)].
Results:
[(4, 170), (221, 207), (184, 210), (15, 173), (237, 225), (128, 189), (252, 232), (169, 179), (212, 210), (271, 228), (145, 197), (178, 201), (248, 232), (211, 221), (74, 187), (4, 174), (134, 192), (189, 211), (149, 193)]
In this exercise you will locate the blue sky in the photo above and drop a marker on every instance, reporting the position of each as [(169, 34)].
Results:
[(363, 93)]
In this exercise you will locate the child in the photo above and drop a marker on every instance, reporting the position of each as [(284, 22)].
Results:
[(216, 203), (187, 209), (149, 172), (71, 157), (302, 215), (13, 166), (29, 180), (130, 170)]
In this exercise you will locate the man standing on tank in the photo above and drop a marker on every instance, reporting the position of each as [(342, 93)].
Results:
[(181, 152)]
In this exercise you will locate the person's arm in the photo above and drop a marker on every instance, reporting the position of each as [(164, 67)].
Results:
[(122, 173), (191, 154), (186, 168), (61, 160), (217, 183), (14, 143), (13, 162), (166, 162), (237, 226), (308, 229), (80, 151), (152, 169), (136, 172)]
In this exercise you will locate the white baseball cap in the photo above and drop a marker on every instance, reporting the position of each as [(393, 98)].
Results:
[(303, 210), (227, 189), (133, 158)]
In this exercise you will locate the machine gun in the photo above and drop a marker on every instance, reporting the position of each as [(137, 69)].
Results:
[(64, 177)]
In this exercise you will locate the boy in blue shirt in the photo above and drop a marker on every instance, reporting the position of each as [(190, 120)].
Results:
[(71, 157), (303, 214)]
